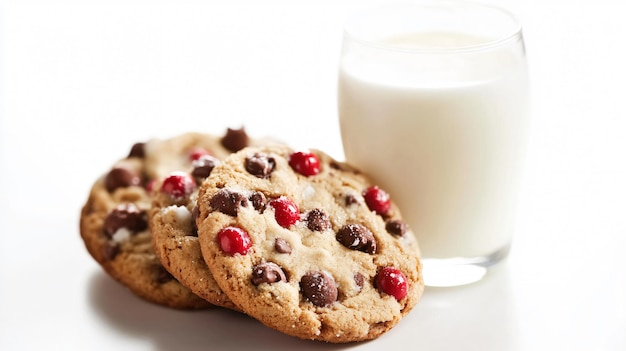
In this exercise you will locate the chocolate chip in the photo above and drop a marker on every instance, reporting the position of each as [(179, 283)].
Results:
[(357, 237), (351, 200), (319, 288), (260, 165), (125, 215), (121, 177), (203, 166), (194, 216), (138, 150), (317, 220), (228, 202), (359, 280), (396, 227), (259, 201), (235, 139), (267, 272), (282, 246)]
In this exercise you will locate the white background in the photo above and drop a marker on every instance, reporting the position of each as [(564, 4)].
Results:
[(83, 80)]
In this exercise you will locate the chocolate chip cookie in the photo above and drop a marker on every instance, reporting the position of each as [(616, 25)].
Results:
[(114, 221), (307, 245)]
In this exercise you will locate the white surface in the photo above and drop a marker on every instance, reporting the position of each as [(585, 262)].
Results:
[(82, 81)]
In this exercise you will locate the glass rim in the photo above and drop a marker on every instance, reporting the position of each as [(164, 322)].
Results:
[(515, 34)]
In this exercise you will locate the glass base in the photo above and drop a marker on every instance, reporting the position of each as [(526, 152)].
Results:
[(458, 271)]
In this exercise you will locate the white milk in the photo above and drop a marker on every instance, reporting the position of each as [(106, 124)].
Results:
[(443, 134)]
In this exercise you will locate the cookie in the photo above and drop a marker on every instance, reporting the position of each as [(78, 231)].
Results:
[(172, 217), (307, 245), (114, 220)]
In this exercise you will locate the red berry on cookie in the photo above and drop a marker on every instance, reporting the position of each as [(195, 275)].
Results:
[(377, 200), (286, 211), (234, 240), (305, 163), (178, 185), (392, 281), (197, 152)]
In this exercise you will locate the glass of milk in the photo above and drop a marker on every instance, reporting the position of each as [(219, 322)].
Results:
[(433, 106)]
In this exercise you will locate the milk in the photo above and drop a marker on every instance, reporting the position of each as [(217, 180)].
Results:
[(444, 134)]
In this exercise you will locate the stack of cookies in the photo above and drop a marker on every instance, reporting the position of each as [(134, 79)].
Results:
[(304, 244)]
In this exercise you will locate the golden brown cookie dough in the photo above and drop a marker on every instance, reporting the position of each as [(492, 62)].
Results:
[(174, 233), (307, 245), (114, 227)]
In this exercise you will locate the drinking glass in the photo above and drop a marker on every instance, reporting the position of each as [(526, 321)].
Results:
[(433, 106)]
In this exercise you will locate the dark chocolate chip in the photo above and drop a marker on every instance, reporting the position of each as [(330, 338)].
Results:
[(203, 166), (260, 165), (396, 227), (319, 288), (359, 279), (282, 246), (121, 177), (235, 139), (357, 237), (317, 220), (228, 202), (267, 272), (138, 150), (351, 200), (259, 201), (125, 215)]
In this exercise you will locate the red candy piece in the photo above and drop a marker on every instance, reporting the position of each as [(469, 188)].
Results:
[(197, 152), (234, 240), (377, 200), (393, 282), (286, 211), (305, 163), (178, 185)]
